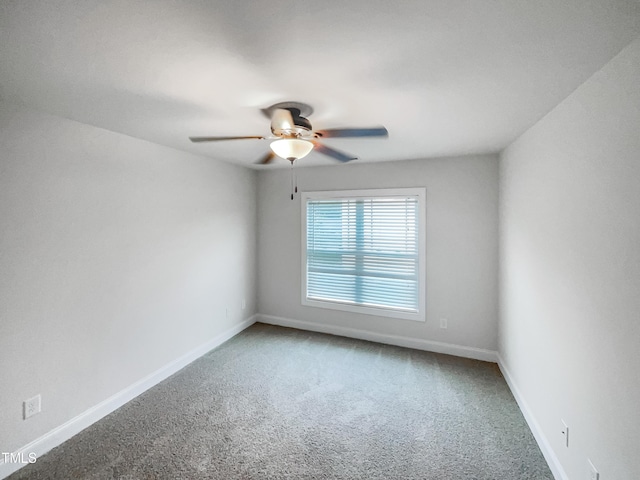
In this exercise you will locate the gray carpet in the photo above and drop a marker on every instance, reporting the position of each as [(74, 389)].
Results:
[(276, 403)]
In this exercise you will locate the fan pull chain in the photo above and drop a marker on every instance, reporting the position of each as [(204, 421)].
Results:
[(291, 178)]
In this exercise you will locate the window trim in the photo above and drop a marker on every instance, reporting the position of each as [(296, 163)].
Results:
[(421, 194)]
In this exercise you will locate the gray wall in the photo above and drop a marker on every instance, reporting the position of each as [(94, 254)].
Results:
[(117, 256), (462, 246), (570, 271)]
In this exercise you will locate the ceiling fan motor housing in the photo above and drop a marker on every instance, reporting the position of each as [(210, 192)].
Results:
[(299, 120), (299, 111)]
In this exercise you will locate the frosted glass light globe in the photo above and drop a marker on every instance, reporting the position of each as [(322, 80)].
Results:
[(291, 148)]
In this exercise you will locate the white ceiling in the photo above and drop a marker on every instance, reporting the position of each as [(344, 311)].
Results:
[(446, 77)]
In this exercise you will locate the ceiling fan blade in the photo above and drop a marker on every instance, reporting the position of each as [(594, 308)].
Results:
[(281, 120), (333, 153), (353, 132), (216, 139), (266, 159)]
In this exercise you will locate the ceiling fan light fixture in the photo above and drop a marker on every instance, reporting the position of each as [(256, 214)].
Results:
[(291, 148)]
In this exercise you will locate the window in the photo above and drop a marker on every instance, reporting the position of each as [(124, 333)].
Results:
[(363, 251)]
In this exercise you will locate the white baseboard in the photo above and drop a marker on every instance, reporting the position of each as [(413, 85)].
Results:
[(534, 426), (64, 432), (418, 344)]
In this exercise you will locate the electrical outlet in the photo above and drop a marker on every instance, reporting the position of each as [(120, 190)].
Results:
[(443, 323), (593, 473), (565, 433), (31, 406), (243, 304), (226, 312)]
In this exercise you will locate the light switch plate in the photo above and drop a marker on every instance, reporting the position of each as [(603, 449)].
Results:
[(565, 432)]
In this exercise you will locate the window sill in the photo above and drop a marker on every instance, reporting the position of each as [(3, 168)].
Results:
[(378, 312)]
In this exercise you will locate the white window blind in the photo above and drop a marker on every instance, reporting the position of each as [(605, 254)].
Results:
[(364, 251)]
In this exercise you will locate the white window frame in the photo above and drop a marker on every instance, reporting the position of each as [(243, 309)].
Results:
[(421, 194)]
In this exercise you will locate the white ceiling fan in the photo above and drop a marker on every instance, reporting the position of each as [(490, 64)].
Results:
[(294, 137)]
